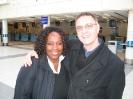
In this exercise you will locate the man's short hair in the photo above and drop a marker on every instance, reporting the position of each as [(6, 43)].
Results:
[(86, 14)]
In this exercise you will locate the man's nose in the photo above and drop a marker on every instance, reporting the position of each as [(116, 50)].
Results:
[(84, 29)]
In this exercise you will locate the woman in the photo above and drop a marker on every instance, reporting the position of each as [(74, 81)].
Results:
[(47, 78)]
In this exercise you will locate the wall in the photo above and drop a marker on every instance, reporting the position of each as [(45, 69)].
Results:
[(21, 8)]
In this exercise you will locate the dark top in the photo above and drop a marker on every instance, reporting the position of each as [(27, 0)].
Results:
[(39, 82)]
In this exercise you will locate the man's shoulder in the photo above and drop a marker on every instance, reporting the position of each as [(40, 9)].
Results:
[(116, 61), (110, 59)]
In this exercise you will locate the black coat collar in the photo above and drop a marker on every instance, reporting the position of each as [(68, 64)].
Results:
[(96, 60), (43, 63)]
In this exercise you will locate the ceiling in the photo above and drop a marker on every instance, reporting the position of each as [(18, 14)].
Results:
[(103, 16)]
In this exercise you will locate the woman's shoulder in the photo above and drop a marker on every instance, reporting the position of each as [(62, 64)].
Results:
[(74, 44)]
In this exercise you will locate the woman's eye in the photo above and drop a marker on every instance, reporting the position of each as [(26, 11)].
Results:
[(48, 43), (58, 43)]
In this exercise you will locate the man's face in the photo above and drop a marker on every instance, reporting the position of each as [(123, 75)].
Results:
[(87, 30)]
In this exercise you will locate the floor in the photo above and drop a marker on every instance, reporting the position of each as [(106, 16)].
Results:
[(12, 58)]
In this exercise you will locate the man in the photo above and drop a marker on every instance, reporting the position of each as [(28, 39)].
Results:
[(96, 73)]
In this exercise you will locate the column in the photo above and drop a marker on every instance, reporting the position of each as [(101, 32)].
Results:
[(4, 32), (129, 48)]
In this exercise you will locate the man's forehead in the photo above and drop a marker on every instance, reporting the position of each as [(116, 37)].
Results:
[(85, 19), (89, 18)]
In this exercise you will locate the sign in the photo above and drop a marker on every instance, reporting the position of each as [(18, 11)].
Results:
[(44, 20)]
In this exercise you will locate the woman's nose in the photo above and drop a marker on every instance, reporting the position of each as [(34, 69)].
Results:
[(55, 46)]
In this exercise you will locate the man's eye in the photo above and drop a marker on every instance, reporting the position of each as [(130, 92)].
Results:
[(78, 28), (90, 25)]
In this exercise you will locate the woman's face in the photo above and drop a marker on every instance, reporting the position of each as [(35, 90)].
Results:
[(54, 46)]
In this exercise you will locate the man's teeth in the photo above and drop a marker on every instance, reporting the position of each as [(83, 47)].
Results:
[(85, 36)]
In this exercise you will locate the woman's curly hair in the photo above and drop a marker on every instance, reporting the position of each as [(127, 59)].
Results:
[(40, 44)]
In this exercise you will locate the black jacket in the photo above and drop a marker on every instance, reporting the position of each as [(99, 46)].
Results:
[(39, 82), (102, 77)]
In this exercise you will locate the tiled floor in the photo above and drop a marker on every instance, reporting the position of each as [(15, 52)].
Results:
[(12, 58)]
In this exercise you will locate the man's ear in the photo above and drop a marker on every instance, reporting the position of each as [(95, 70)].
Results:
[(98, 28)]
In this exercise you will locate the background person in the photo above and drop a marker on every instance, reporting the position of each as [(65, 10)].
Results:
[(47, 78)]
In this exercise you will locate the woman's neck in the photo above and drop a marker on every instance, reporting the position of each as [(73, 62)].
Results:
[(56, 64)]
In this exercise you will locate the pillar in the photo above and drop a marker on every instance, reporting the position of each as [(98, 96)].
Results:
[(4, 32), (129, 47)]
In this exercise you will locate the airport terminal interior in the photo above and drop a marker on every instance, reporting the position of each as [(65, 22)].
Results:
[(23, 31)]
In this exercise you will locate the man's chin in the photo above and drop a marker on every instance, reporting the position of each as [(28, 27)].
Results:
[(86, 42)]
